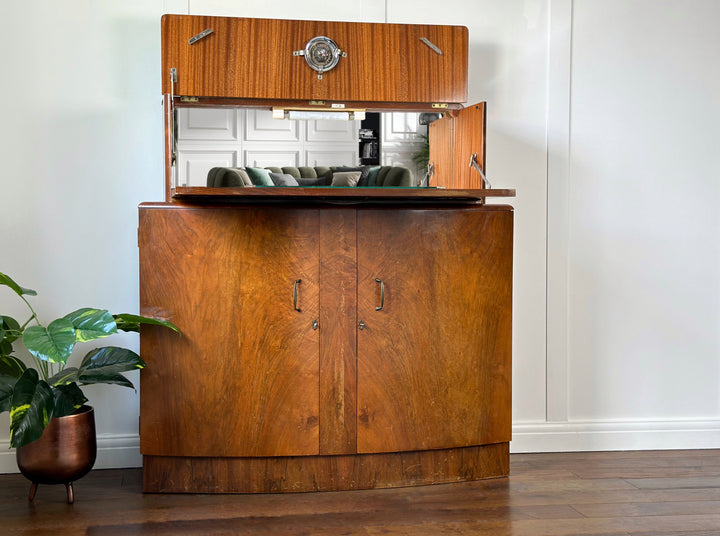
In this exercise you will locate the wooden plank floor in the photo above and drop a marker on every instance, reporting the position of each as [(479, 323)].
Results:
[(590, 494)]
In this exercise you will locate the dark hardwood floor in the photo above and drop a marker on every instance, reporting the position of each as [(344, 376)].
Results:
[(604, 493)]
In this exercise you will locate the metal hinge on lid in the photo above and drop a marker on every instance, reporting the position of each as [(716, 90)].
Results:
[(474, 164), (432, 45), (196, 38)]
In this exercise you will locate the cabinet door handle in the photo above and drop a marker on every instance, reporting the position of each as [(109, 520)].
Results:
[(295, 295), (382, 294)]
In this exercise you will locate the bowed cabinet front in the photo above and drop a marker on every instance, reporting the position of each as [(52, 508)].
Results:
[(325, 347)]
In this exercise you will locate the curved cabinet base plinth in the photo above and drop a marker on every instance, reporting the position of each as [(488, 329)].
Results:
[(174, 474)]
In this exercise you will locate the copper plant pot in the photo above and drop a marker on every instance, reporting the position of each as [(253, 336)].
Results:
[(64, 453)]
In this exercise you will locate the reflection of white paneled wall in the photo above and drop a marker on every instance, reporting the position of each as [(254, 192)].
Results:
[(209, 137), (316, 157), (197, 163), (331, 131), (401, 140), (207, 124), (260, 126), (255, 158)]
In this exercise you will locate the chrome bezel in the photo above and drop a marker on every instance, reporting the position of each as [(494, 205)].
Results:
[(321, 42)]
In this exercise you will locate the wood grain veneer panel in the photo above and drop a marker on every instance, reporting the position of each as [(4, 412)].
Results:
[(253, 59), (243, 378), (169, 148), (434, 365), (469, 139), (338, 328), (323, 473), (441, 134)]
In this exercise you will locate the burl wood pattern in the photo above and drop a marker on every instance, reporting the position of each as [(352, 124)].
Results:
[(323, 473), (253, 398), (253, 59), (434, 365), (441, 136), (338, 325), (243, 378)]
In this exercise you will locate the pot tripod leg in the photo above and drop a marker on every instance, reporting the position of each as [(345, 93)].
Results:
[(33, 491), (70, 493)]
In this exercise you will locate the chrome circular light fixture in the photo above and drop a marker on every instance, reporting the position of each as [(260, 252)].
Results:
[(321, 54)]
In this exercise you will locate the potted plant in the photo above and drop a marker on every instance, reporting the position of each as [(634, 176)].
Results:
[(50, 424)]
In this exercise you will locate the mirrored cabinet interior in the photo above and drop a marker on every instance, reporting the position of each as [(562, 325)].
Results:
[(369, 134), (345, 293)]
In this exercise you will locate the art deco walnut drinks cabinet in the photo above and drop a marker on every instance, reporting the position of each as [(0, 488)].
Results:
[(333, 337)]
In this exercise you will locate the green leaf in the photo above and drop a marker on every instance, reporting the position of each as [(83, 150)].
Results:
[(7, 281), (91, 324), (30, 410), (99, 376), (10, 329), (6, 347), (128, 322), (64, 377), (6, 392), (68, 398), (111, 359), (54, 343), (11, 366)]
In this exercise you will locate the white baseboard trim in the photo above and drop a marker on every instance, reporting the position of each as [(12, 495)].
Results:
[(120, 451), (615, 435), (113, 451)]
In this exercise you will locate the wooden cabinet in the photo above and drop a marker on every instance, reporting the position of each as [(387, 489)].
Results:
[(253, 59), (242, 381), (333, 338), (325, 347), (434, 357)]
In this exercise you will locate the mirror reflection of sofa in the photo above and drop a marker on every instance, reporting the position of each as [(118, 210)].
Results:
[(306, 176)]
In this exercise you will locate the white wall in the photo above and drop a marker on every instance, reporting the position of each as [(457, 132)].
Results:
[(634, 280), (610, 106), (80, 146)]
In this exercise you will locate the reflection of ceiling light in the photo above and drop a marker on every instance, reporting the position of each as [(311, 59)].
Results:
[(345, 115)]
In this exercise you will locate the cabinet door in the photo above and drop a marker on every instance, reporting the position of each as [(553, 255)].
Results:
[(243, 378), (434, 352), (469, 140), (454, 139)]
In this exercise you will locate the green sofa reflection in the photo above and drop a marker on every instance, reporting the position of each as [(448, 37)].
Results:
[(306, 176)]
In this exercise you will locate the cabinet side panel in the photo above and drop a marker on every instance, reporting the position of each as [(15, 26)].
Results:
[(242, 380), (469, 140), (441, 138), (434, 363), (253, 58), (338, 327)]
